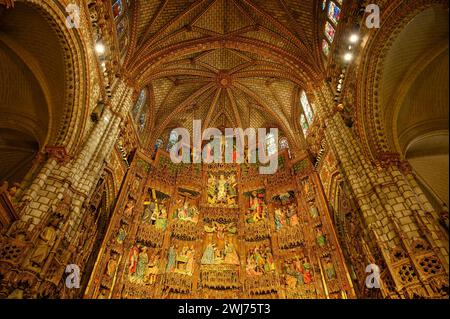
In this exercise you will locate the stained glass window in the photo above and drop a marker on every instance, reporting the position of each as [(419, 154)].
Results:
[(284, 144), (271, 144), (334, 12), (117, 8), (173, 139), (329, 31), (307, 109), (141, 101), (304, 124), (325, 47), (122, 27), (159, 142), (141, 123)]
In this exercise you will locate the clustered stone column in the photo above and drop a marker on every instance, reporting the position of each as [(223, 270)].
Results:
[(413, 245), (53, 207)]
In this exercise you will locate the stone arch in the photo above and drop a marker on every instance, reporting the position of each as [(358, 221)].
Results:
[(405, 109), (51, 85), (379, 72)]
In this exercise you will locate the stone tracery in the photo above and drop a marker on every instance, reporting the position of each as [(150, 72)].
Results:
[(105, 195)]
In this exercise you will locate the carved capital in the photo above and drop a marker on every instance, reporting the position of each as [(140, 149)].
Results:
[(58, 153), (386, 160), (7, 3)]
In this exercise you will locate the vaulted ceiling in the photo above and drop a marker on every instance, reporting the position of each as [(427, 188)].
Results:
[(230, 63)]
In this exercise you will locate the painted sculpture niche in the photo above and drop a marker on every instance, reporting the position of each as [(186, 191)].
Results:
[(185, 217), (180, 259), (155, 210), (285, 213), (221, 245), (257, 209), (297, 271), (144, 265), (186, 212), (121, 233), (259, 261), (220, 258), (222, 191), (286, 220)]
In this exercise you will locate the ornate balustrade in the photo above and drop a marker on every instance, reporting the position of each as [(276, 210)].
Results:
[(263, 284), (185, 230), (280, 182), (302, 292), (257, 231), (220, 276), (139, 290), (290, 237), (150, 235), (178, 283), (220, 215)]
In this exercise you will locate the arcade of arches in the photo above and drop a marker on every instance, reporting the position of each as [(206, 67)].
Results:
[(91, 92)]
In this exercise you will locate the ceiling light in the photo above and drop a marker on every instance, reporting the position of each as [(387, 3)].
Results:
[(348, 57), (99, 48), (354, 38)]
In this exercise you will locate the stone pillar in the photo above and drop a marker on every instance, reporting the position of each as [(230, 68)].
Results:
[(413, 245), (67, 179)]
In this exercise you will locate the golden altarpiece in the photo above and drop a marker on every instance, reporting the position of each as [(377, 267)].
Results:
[(220, 231), (95, 195)]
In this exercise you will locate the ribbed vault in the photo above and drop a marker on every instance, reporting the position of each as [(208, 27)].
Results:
[(230, 63)]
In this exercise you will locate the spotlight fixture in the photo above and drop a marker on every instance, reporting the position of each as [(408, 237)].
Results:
[(348, 57), (354, 38), (99, 48)]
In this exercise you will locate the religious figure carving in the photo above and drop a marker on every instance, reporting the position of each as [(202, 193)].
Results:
[(112, 265), (329, 268), (308, 189), (222, 191), (208, 254), (45, 242), (232, 192), (320, 237), (211, 190), (181, 261), (259, 261), (286, 217), (297, 272), (121, 235), (142, 263), (187, 213), (133, 260), (153, 269), (279, 219), (138, 259), (222, 188), (155, 214), (171, 259), (257, 210), (128, 212), (314, 212), (231, 255)]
